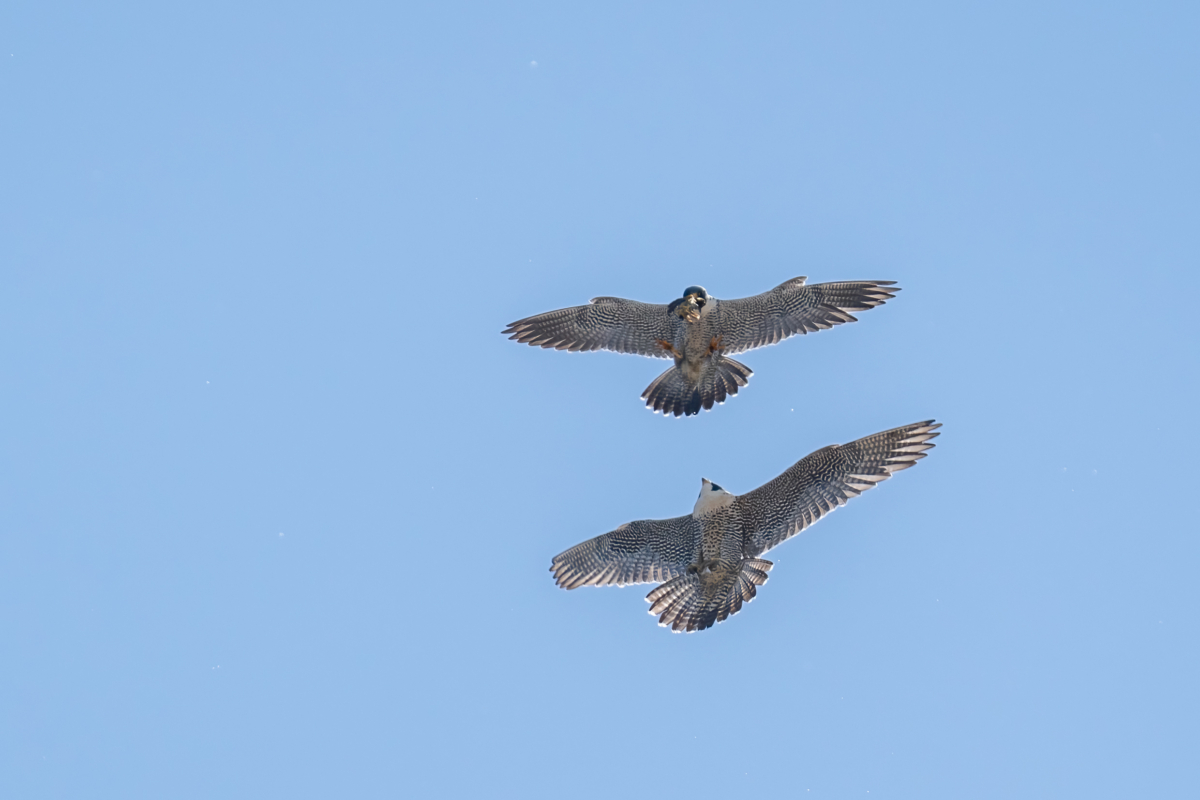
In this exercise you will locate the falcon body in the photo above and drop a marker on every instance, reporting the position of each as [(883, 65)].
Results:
[(700, 333), (708, 562)]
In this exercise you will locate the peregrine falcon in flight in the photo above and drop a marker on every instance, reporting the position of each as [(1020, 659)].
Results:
[(708, 562), (700, 332)]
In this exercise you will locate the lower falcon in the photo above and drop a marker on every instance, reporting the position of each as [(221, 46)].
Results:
[(700, 332), (709, 561)]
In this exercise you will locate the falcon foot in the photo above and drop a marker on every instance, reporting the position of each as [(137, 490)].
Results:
[(702, 567), (670, 348), (715, 344)]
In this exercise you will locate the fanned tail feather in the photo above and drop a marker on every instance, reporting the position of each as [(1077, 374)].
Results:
[(671, 394), (696, 601)]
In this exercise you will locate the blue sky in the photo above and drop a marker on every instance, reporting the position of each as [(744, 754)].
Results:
[(278, 499)]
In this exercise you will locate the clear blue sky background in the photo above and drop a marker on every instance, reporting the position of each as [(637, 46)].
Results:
[(278, 500)]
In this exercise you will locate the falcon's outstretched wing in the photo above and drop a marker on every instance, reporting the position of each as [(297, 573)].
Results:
[(646, 551), (826, 479), (607, 323), (791, 308)]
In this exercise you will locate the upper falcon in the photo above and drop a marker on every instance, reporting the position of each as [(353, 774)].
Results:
[(708, 562), (700, 332)]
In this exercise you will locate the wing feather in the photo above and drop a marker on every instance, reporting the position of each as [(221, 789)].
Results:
[(794, 308), (825, 480), (607, 323), (646, 551)]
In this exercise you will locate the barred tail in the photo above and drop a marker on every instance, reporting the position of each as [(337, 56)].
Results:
[(673, 395), (695, 601)]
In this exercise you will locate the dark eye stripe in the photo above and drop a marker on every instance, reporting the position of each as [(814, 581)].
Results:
[(717, 488)]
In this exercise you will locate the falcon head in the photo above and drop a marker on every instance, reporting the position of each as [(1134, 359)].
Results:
[(711, 497), (688, 307)]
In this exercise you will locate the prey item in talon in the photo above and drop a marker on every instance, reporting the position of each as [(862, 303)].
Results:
[(689, 309)]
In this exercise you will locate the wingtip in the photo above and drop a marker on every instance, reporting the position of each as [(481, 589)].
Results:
[(562, 575)]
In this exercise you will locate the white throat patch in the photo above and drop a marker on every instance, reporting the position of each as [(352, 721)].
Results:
[(711, 498)]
